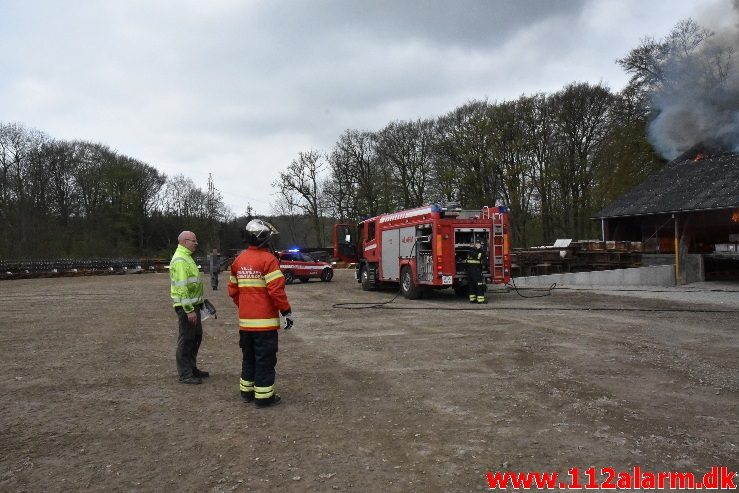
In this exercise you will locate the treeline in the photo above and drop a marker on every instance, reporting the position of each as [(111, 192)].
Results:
[(553, 159), (75, 198), (82, 199)]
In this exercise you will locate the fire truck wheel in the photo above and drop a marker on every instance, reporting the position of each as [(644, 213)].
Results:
[(460, 291), (408, 286), (289, 278), (327, 275)]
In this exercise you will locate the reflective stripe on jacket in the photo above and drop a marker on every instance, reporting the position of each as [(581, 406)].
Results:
[(257, 287), (186, 285), (474, 257)]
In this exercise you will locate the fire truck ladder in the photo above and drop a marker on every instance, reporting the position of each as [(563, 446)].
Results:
[(496, 244)]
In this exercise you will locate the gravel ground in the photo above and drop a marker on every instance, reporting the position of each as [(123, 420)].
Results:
[(425, 395)]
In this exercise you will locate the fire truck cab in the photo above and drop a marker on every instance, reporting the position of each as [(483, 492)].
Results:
[(425, 248)]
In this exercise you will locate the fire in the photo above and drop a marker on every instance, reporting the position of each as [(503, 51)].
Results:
[(698, 157), (735, 216)]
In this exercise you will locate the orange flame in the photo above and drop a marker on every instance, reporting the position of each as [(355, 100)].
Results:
[(698, 157), (735, 216)]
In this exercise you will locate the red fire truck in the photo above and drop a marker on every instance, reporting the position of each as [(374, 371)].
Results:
[(425, 248)]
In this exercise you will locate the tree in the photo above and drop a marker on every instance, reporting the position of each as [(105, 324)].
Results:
[(464, 140), (408, 147), (22, 190), (516, 158), (339, 188), (692, 85), (300, 186), (357, 152), (654, 64), (537, 122), (581, 119)]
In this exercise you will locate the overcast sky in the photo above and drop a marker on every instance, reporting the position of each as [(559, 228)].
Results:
[(238, 88)]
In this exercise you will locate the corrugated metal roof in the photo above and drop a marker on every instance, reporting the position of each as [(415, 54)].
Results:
[(682, 185)]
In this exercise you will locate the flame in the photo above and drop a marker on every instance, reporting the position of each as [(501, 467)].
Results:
[(698, 157), (735, 216)]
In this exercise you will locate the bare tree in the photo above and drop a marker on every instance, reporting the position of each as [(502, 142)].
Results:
[(465, 139), (62, 167), (538, 125), (340, 190), (408, 147), (23, 186), (182, 198), (582, 119), (654, 64), (358, 150), (302, 181), (516, 158)]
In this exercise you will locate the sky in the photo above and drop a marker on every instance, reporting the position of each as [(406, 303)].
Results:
[(237, 88)]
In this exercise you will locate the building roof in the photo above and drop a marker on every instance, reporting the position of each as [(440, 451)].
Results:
[(694, 181)]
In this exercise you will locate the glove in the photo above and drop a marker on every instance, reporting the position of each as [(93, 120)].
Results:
[(289, 321)]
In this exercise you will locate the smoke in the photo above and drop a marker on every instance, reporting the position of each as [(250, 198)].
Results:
[(698, 98)]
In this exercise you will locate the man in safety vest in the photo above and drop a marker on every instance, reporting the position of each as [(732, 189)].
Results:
[(475, 281), (257, 287), (187, 298)]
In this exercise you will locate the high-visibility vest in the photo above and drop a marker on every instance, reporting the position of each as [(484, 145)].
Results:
[(257, 287), (186, 285)]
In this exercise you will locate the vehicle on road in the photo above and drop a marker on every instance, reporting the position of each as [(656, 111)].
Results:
[(295, 264)]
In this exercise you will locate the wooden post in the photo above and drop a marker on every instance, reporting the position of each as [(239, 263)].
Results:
[(677, 252)]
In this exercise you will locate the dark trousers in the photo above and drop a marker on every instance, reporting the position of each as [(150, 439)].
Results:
[(188, 342), (259, 350), (476, 283)]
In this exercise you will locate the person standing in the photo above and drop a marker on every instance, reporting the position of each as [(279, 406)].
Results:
[(475, 281), (187, 299), (257, 287), (214, 267)]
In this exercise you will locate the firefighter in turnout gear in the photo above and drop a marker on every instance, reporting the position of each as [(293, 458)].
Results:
[(257, 287), (475, 280), (186, 291)]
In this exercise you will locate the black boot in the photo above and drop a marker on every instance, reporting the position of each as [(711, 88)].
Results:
[(191, 380), (247, 396), (269, 401)]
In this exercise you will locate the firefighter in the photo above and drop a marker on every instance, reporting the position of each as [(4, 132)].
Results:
[(475, 280), (257, 287), (186, 291)]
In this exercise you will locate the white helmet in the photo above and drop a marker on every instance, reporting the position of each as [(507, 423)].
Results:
[(259, 232)]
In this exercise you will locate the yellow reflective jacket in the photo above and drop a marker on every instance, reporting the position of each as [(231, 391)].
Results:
[(186, 284)]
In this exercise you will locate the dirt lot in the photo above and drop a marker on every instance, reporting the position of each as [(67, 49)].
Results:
[(395, 400)]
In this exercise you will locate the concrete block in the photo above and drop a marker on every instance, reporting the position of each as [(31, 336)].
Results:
[(658, 275)]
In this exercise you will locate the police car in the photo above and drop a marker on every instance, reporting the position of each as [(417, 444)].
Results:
[(297, 265)]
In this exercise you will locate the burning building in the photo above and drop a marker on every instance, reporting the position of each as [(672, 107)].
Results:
[(688, 210)]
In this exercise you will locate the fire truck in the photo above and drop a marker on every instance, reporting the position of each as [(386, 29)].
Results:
[(425, 248)]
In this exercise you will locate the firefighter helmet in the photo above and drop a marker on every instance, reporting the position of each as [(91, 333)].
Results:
[(259, 232)]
